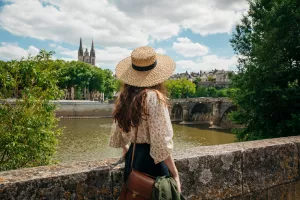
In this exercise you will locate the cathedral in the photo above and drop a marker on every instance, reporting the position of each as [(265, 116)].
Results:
[(86, 56)]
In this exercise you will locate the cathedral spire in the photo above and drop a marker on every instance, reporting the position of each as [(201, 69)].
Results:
[(80, 50), (92, 49)]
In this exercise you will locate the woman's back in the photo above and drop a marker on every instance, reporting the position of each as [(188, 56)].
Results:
[(155, 128)]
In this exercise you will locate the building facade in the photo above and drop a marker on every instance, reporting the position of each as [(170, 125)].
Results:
[(216, 78), (86, 56)]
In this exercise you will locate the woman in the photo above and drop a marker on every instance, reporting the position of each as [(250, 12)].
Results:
[(142, 106)]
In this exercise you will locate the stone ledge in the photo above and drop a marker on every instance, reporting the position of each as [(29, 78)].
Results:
[(269, 162), (246, 170), (289, 191)]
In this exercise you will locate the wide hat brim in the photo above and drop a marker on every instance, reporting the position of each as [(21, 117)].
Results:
[(161, 72)]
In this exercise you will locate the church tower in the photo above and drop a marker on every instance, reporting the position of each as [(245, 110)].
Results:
[(93, 54), (80, 52), (86, 56)]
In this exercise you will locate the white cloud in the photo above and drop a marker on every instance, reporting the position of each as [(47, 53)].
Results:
[(160, 51), (207, 63), (96, 19), (200, 16), (33, 50), (187, 48), (110, 56), (52, 45), (120, 22), (107, 57), (10, 51)]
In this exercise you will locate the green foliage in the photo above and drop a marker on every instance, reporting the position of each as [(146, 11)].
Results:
[(81, 75), (118, 85), (181, 88), (211, 79), (267, 86), (201, 92), (196, 81), (110, 83), (210, 92), (28, 126)]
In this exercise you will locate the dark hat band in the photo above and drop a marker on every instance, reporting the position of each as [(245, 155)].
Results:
[(146, 68)]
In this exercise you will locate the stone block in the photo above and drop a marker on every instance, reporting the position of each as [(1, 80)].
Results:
[(211, 172), (267, 163), (295, 140), (289, 191), (117, 182), (83, 181), (257, 195)]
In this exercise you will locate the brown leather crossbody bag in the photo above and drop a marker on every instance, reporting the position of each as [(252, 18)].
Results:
[(139, 185)]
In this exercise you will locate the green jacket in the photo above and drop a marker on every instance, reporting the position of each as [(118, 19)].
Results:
[(165, 188)]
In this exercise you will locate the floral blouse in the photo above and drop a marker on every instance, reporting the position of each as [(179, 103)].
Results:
[(156, 130)]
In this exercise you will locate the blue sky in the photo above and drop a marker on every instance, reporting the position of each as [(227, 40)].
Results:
[(195, 34)]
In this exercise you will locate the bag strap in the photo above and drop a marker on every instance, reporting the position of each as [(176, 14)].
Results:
[(132, 156)]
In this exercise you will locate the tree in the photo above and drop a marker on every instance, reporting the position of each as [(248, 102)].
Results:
[(110, 83), (97, 80), (197, 81), (201, 92), (118, 85), (28, 126), (181, 88), (267, 84), (78, 75), (211, 79), (212, 92)]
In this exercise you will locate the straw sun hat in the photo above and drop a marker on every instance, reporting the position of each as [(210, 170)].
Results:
[(145, 68)]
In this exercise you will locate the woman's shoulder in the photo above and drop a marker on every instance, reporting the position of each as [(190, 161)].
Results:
[(155, 96)]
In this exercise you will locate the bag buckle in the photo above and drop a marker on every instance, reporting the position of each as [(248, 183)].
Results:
[(134, 194)]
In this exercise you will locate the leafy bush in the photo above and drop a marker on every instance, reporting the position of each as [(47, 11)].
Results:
[(28, 126)]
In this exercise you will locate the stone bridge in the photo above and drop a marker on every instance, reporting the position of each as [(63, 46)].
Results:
[(261, 170), (204, 110)]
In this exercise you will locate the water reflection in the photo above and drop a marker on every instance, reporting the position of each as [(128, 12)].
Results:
[(87, 139)]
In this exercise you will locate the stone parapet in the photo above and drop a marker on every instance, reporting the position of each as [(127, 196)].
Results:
[(80, 108), (264, 169)]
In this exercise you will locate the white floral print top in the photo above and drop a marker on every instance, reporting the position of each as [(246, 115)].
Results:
[(156, 130)]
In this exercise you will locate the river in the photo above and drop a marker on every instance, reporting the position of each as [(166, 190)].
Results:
[(87, 139)]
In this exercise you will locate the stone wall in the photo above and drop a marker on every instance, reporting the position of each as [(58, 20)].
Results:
[(75, 108), (265, 169)]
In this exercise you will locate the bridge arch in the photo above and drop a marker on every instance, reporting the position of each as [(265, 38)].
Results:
[(201, 112), (177, 112), (225, 122)]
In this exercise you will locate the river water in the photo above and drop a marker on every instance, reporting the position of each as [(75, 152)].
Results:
[(87, 139)]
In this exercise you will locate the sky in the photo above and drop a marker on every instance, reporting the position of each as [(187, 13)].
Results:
[(194, 33)]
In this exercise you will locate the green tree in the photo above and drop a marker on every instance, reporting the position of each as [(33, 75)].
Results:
[(197, 81), (28, 126), (267, 84), (118, 85), (78, 75), (97, 80), (211, 79), (110, 83), (212, 92), (181, 88), (201, 92)]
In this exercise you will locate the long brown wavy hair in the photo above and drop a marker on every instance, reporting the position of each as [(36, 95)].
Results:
[(131, 105)]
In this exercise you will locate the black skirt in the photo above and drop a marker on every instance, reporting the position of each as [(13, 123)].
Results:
[(143, 162)]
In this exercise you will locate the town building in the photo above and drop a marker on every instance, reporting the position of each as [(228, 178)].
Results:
[(216, 78)]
